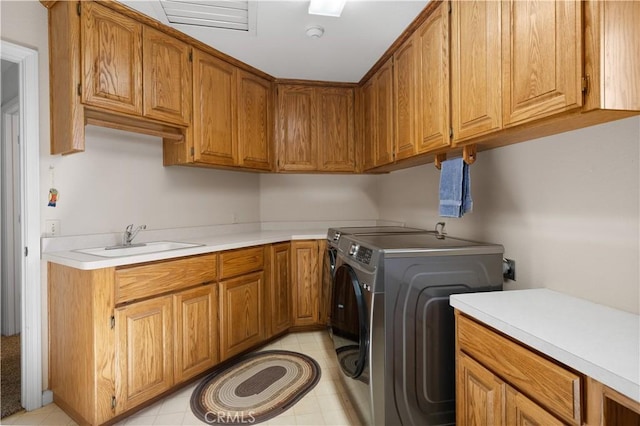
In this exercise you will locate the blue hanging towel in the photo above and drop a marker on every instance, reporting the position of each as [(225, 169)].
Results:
[(455, 188)]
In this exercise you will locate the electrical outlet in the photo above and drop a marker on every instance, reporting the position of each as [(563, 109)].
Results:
[(52, 227), (509, 269)]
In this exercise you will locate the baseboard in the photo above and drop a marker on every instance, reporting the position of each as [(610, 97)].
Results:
[(47, 397)]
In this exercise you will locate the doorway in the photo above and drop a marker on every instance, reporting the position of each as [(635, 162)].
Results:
[(10, 236), (21, 218)]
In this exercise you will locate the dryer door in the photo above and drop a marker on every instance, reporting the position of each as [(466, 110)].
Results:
[(349, 322)]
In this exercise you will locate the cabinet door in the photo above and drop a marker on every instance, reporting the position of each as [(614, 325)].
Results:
[(306, 282), (279, 294), (384, 141), (196, 331), (144, 351), (405, 74), (479, 394), (368, 97), (476, 79), (214, 114), (296, 131), (433, 96), (326, 282), (167, 77), (241, 325), (255, 104), (542, 58), (335, 129), (112, 59), (520, 410)]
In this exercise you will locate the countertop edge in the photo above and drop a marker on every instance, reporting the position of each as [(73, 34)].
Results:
[(212, 244)]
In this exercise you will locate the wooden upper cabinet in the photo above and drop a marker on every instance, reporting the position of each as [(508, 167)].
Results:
[(255, 121), (368, 117), (542, 58), (384, 142), (112, 59), (613, 79), (167, 77), (116, 51), (336, 131), (377, 118), (476, 73), (297, 139), (433, 88), (316, 128), (214, 110), (405, 78)]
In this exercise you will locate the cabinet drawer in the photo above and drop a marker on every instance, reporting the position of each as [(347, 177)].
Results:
[(545, 382), (137, 282), (242, 261)]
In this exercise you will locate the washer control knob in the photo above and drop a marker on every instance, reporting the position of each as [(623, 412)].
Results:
[(353, 249)]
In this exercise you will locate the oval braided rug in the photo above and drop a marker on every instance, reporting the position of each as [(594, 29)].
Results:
[(255, 388)]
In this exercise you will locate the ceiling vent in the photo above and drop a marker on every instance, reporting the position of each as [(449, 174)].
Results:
[(225, 14)]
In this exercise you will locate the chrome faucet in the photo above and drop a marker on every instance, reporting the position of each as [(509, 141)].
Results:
[(130, 234)]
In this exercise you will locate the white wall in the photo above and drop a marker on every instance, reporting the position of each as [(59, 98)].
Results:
[(317, 197), (565, 207), (120, 179)]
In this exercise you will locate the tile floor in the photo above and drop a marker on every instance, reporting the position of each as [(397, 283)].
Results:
[(326, 404)]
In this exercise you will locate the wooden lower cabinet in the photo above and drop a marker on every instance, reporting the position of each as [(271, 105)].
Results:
[(241, 321), (305, 257), (196, 331), (278, 295), (164, 341), (520, 410), (483, 399), (498, 380), (480, 394), (121, 336), (144, 351)]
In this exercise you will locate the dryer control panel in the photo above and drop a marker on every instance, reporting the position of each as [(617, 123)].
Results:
[(362, 254)]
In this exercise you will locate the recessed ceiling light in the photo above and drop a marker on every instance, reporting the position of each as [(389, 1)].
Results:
[(326, 7)]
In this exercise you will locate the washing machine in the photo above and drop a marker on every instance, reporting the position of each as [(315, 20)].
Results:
[(392, 326)]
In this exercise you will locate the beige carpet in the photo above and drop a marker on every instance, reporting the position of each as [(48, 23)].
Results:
[(10, 375)]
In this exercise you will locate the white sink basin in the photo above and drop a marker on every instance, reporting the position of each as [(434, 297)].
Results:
[(120, 251)]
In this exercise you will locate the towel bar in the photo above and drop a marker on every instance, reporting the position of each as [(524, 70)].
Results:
[(469, 154)]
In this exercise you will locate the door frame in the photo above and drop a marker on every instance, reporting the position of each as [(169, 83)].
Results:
[(29, 148)]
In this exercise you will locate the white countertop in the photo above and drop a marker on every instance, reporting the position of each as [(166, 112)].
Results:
[(598, 341), (210, 244)]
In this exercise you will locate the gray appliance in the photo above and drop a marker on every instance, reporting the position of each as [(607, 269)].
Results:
[(392, 326), (333, 240)]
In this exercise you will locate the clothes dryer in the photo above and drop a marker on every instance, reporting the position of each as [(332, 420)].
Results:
[(392, 326)]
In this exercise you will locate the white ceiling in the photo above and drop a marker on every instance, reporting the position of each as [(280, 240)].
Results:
[(350, 46)]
